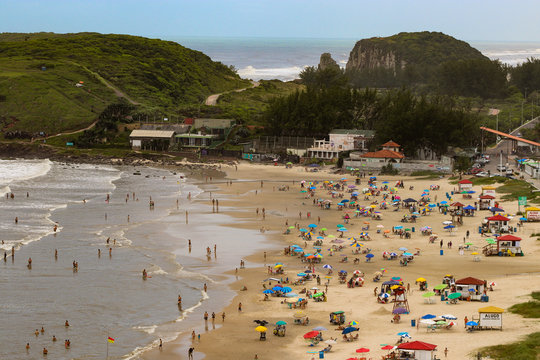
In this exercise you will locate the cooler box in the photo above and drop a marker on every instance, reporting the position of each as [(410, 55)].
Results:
[(321, 354), (484, 298), (413, 229), (442, 252), (413, 322)]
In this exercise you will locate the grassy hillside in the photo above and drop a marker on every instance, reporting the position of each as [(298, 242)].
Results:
[(38, 74)]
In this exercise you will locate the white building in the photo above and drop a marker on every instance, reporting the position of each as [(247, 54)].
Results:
[(340, 140)]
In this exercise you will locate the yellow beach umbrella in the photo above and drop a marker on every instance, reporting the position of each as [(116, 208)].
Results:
[(261, 329), (393, 287), (420, 279), (474, 253), (299, 315), (278, 266)]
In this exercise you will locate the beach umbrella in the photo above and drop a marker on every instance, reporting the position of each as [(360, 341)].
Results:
[(342, 229), (449, 317), (449, 227), (292, 295), (353, 323), (291, 227), (320, 328), (393, 254), (277, 288), (324, 229), (380, 226), (377, 273), (444, 202), (386, 231), (472, 323), (261, 329), (403, 249), (303, 230), (311, 334), (447, 222), (385, 296), (387, 347), (469, 243), (403, 333), (474, 253), (291, 300), (454, 295), (340, 225), (429, 316), (362, 350), (281, 322), (357, 272), (299, 315), (420, 279), (286, 289), (406, 254), (398, 227), (278, 266), (268, 291), (301, 274), (523, 219), (397, 278), (441, 322), (312, 225), (369, 256), (394, 287), (348, 330), (441, 287), (428, 294), (492, 283), (298, 250), (327, 266), (330, 342)]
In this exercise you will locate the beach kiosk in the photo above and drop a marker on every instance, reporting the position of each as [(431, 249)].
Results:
[(509, 245), (465, 185), (470, 288), (532, 213), (497, 223), (488, 190), (419, 349), (486, 201), (490, 317), (337, 318)]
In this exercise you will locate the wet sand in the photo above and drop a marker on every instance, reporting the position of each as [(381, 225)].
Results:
[(514, 276)]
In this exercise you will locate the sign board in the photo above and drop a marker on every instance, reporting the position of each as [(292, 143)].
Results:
[(69, 144), (522, 200), (247, 156), (491, 319), (533, 215)]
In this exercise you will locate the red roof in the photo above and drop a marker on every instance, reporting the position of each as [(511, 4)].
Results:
[(508, 238), (385, 154), (390, 144), (465, 181), (470, 281), (484, 197), (498, 218), (417, 345), (189, 121), (457, 204)]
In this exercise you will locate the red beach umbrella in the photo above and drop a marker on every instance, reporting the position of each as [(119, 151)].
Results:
[(311, 334), (387, 347), (362, 350)]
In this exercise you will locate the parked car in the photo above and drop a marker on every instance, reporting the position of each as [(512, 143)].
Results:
[(482, 174), (475, 171), (501, 168)]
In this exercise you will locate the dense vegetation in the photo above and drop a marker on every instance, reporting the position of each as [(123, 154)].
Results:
[(529, 309), (412, 121), (38, 74)]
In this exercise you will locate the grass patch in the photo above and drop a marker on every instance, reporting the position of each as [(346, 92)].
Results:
[(526, 349), (516, 188)]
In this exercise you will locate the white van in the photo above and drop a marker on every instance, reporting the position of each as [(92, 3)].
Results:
[(501, 168)]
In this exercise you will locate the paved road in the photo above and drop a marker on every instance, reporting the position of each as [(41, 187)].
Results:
[(212, 99), (504, 149)]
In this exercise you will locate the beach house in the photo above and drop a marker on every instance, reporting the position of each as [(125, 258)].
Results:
[(418, 349), (388, 154), (340, 140), (156, 140)]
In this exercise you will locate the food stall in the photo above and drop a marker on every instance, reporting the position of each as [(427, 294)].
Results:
[(532, 213), (418, 349), (470, 287), (490, 317)]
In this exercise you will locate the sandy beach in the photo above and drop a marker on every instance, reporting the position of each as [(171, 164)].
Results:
[(515, 276)]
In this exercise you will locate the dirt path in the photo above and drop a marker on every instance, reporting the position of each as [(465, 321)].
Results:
[(212, 99)]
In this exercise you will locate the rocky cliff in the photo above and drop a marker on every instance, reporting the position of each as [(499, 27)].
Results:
[(419, 48), (327, 62)]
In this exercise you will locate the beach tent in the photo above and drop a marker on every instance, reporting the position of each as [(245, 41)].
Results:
[(486, 201), (421, 350), (491, 317), (498, 223), (488, 190)]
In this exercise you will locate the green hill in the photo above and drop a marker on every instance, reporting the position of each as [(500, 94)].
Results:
[(58, 82), (407, 58)]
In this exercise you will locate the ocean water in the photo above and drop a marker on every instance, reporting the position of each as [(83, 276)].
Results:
[(107, 295), (284, 58)]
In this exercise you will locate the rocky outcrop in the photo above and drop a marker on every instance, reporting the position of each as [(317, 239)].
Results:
[(367, 56), (398, 51), (327, 62)]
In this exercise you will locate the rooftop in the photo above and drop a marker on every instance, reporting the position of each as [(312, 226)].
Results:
[(390, 144), (162, 134), (385, 154), (470, 281)]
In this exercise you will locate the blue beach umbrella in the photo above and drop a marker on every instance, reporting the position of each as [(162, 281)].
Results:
[(268, 291), (340, 225), (472, 323), (276, 288), (286, 289), (403, 333), (301, 274), (298, 250), (303, 230), (369, 256), (429, 316), (281, 322), (348, 330), (312, 225), (403, 249), (407, 254)]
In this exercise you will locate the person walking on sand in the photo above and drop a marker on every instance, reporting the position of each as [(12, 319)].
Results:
[(205, 287), (160, 344), (205, 316), (190, 353), (240, 306), (223, 316), (193, 336), (213, 316), (445, 352)]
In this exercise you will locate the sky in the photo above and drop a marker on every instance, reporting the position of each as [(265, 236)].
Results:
[(473, 20)]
